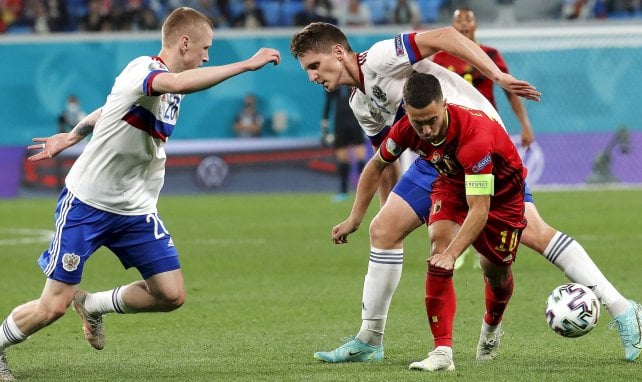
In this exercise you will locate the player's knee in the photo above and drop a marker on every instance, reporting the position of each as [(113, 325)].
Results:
[(172, 300), (384, 234)]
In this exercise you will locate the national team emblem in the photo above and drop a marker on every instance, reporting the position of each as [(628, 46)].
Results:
[(70, 262), (392, 147), (436, 157), (379, 94), (482, 163), (155, 65)]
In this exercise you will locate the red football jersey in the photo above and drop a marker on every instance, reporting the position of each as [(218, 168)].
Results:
[(475, 144), (470, 73)]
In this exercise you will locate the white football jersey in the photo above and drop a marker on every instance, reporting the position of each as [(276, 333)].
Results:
[(122, 168), (386, 66)]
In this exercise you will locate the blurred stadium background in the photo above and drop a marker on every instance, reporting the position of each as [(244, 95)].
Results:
[(588, 125)]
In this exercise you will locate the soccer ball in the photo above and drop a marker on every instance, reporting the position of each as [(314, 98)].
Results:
[(572, 310)]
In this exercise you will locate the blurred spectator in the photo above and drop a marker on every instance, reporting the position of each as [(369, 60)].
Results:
[(310, 14), (45, 16), (10, 12), (625, 7), (145, 19), (405, 12), (354, 14), (248, 122), (97, 18), (251, 17), (577, 9), (72, 114), (218, 11), (325, 9)]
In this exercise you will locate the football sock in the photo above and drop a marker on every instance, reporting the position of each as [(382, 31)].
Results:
[(384, 273), (440, 305), (110, 301), (568, 255), (344, 172), (10, 334), (496, 300)]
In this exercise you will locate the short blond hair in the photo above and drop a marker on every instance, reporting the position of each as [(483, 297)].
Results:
[(183, 20)]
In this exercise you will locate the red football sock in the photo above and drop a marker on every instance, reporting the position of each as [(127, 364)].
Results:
[(440, 305), (497, 300)]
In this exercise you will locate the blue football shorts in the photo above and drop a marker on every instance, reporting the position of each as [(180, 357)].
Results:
[(139, 241), (415, 187)]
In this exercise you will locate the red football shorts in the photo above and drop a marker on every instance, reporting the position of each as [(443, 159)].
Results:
[(499, 239)]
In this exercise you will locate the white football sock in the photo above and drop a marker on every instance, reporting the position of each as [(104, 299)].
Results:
[(110, 301), (578, 266), (384, 273), (10, 334)]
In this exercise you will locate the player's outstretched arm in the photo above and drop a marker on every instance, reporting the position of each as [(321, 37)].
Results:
[(194, 80), (55, 144), (453, 42), (366, 188)]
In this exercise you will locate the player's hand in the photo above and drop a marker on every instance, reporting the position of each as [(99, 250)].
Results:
[(519, 87), (443, 261), (264, 56), (528, 137), (49, 147), (341, 231)]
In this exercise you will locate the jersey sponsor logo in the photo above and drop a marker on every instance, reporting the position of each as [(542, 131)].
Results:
[(399, 49), (70, 262), (379, 94), (482, 163), (392, 147)]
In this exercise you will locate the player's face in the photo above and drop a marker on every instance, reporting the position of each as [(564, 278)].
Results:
[(198, 46), (464, 22), (429, 122), (324, 69)]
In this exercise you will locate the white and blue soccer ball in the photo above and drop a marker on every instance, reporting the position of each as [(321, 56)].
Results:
[(572, 310)]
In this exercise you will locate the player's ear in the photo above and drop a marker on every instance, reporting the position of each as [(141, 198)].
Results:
[(338, 51), (183, 44)]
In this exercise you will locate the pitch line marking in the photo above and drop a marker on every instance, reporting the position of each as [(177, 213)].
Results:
[(26, 236)]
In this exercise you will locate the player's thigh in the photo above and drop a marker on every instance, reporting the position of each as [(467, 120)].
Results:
[(537, 233), (145, 243), (500, 238), (393, 222)]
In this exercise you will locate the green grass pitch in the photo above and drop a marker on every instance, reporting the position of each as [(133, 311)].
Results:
[(266, 289)]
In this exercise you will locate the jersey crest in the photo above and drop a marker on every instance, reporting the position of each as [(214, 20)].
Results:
[(379, 94)]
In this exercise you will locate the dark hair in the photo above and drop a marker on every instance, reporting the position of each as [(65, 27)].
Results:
[(318, 37), (421, 90)]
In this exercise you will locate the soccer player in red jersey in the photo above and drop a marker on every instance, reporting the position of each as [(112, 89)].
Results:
[(478, 199), (465, 23)]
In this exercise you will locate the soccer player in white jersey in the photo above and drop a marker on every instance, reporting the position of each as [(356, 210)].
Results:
[(112, 189), (379, 75)]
